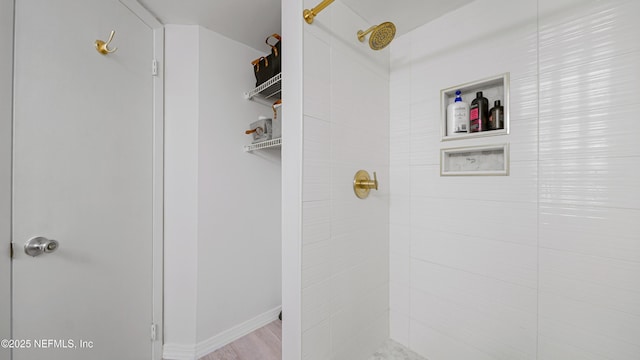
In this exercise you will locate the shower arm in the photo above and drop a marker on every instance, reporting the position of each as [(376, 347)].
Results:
[(310, 14), (362, 34)]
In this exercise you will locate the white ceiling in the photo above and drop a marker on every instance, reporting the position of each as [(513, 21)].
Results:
[(251, 21)]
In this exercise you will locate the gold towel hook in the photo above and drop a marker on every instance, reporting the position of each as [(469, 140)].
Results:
[(103, 47)]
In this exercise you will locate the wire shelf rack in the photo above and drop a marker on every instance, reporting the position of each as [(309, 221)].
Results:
[(274, 143), (267, 90)]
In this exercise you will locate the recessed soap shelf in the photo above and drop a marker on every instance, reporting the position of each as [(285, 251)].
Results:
[(475, 160), (493, 88)]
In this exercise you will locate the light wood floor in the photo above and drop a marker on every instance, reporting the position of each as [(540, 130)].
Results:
[(262, 344)]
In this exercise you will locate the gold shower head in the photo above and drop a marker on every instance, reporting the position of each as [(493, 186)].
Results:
[(381, 35)]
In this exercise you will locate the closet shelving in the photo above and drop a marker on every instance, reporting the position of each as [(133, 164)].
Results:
[(267, 93), (274, 143), (270, 89)]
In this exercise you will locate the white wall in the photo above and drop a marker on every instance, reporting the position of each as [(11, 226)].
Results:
[(6, 101), (181, 187), (292, 92), (543, 263), (239, 204), (589, 233), (344, 239), (222, 205)]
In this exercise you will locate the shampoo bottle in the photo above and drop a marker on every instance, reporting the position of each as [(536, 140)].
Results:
[(457, 116), (496, 117), (479, 113)]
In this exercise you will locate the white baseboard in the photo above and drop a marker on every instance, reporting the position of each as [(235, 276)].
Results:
[(194, 352), (178, 352), (214, 343)]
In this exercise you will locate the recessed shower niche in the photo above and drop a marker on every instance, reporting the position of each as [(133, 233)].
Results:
[(475, 160), (495, 88)]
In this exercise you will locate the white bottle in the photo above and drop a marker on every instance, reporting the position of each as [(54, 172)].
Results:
[(457, 116)]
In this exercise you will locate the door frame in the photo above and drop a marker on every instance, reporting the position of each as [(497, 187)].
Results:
[(158, 171)]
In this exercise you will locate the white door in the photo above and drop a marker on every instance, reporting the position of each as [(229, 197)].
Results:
[(6, 91), (83, 158)]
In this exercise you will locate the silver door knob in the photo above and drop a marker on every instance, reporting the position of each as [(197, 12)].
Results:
[(39, 245)]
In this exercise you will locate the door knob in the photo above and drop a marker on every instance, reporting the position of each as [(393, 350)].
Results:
[(39, 245)]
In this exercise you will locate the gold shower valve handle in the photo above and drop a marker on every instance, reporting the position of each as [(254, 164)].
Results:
[(103, 47), (362, 183)]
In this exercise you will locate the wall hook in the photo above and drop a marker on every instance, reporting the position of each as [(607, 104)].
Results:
[(103, 47)]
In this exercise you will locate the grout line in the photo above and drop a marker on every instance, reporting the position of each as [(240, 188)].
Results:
[(591, 255), (473, 273)]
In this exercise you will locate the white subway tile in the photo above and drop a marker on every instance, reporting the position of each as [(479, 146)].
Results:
[(360, 314), (520, 186), (492, 220), (400, 299), (316, 262), (400, 239), (435, 344), (501, 260), (316, 221), (353, 285), (399, 269), (400, 210), (316, 342), (598, 84), (603, 273), (598, 231), (399, 327), (501, 338), (594, 182), (577, 32), (582, 341), (604, 132), (317, 78), (316, 304), (399, 180), (550, 348), (506, 300)]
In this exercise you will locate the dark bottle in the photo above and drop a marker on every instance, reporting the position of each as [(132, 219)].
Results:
[(496, 117), (479, 113)]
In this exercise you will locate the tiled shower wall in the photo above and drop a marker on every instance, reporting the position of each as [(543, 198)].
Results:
[(543, 263), (463, 249), (345, 271), (589, 215)]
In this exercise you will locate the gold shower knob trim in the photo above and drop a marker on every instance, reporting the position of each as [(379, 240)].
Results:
[(362, 183)]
